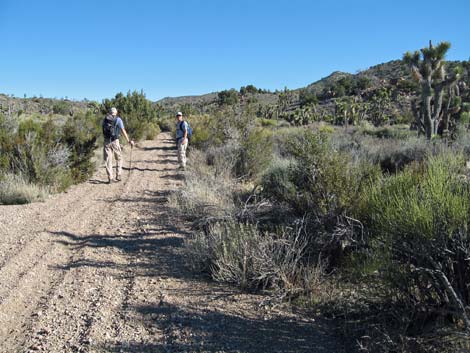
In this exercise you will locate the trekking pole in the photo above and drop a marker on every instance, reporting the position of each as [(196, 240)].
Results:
[(130, 163)]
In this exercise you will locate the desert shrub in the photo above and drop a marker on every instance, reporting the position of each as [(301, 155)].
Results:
[(204, 131), (389, 131), (166, 124), (234, 136), (223, 159), (207, 196), (39, 156), (391, 154), (406, 118), (267, 122), (278, 181), (243, 255), (394, 155), (321, 187), (307, 97), (49, 153), (80, 134), (227, 97), (326, 129), (418, 221), (136, 111), (15, 190), (283, 124), (151, 131), (61, 107), (326, 182), (255, 154)]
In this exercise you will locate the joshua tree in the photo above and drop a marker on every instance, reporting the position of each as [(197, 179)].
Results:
[(428, 69), (380, 106), (347, 110)]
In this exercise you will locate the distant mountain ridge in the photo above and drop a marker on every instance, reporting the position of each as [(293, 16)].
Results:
[(390, 71), (385, 74)]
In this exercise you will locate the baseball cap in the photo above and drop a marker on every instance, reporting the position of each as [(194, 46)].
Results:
[(179, 113)]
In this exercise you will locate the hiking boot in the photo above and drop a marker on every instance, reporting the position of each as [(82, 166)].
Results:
[(118, 178)]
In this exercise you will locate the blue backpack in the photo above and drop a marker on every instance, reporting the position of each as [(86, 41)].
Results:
[(190, 130)]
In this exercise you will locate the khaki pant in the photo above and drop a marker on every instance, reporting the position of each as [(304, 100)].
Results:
[(110, 149), (182, 152)]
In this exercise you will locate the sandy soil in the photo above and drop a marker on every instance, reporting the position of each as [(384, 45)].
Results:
[(101, 268)]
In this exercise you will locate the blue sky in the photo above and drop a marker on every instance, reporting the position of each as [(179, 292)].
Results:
[(94, 49)]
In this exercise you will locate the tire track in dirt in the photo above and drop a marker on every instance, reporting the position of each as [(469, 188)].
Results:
[(120, 319), (43, 254), (86, 309), (39, 248), (16, 238)]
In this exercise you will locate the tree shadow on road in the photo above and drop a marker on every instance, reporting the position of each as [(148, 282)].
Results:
[(167, 161), (150, 197), (179, 176), (140, 169), (187, 329), (162, 148), (151, 256), (96, 181)]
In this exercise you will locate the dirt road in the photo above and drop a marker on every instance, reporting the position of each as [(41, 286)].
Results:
[(101, 269)]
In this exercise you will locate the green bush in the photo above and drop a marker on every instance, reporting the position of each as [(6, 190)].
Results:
[(37, 153), (204, 131), (267, 122), (166, 124), (151, 131), (278, 181), (390, 131), (419, 223), (320, 186), (80, 134), (61, 107), (135, 110), (255, 154), (326, 181), (52, 154), (227, 97)]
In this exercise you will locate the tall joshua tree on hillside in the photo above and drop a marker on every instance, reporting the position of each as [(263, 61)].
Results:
[(428, 69)]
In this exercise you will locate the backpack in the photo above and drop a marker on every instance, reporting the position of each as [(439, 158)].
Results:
[(190, 130), (109, 127)]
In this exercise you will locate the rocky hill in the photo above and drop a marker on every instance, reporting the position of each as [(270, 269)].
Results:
[(378, 75), (393, 75), (10, 105)]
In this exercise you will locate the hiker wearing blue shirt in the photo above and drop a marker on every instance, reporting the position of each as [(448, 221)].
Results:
[(181, 139), (112, 128)]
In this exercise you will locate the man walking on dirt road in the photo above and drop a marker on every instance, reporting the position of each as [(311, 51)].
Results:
[(112, 128), (181, 139)]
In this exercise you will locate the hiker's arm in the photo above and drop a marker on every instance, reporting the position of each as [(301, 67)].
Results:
[(127, 137), (185, 137)]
